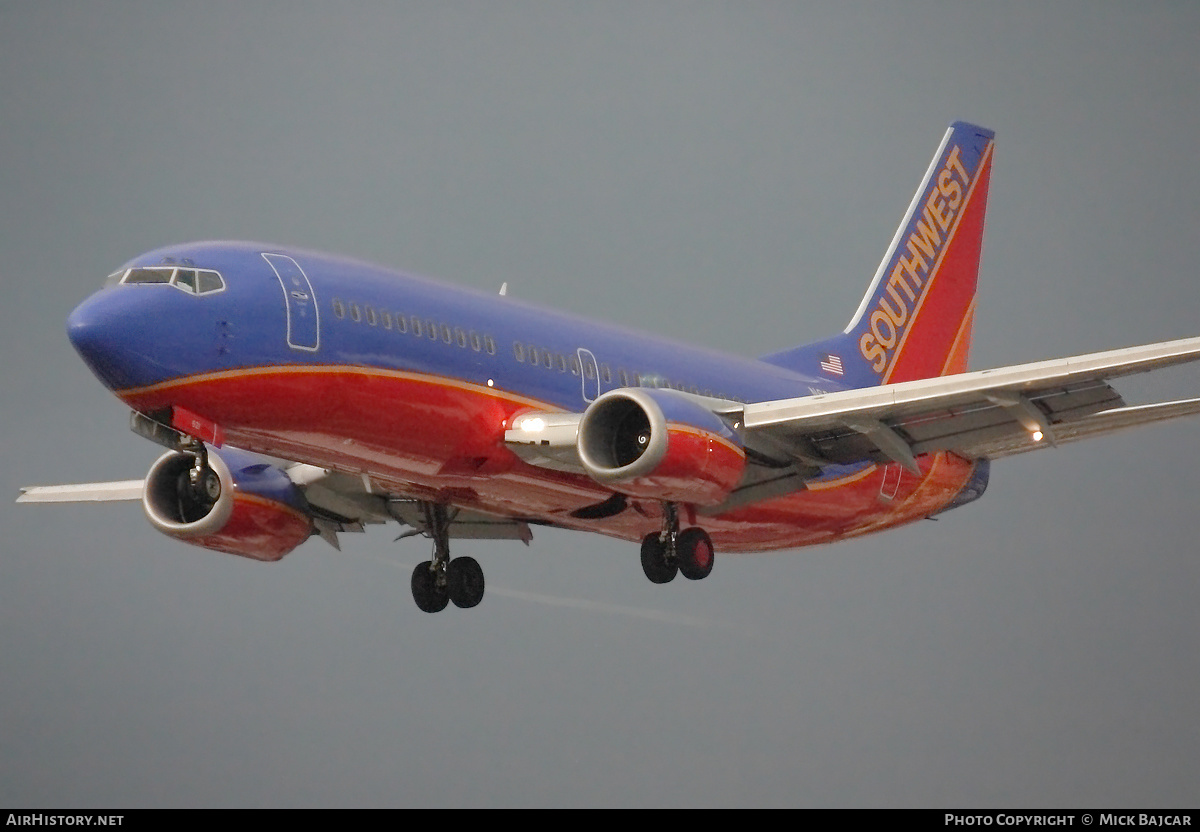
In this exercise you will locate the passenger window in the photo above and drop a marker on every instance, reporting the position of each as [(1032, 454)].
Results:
[(519, 351), (460, 336), (416, 326), (535, 357), (339, 310), (489, 345), (562, 362), (401, 323), (447, 336), (475, 345), (574, 365), (605, 375), (371, 319), (431, 329), (386, 319), (355, 312)]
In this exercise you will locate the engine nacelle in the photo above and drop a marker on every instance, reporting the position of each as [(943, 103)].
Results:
[(258, 513), (660, 445)]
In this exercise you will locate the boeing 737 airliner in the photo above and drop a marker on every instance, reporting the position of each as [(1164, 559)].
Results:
[(460, 414)]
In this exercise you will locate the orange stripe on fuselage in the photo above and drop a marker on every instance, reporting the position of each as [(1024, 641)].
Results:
[(309, 369), (838, 482), (732, 447)]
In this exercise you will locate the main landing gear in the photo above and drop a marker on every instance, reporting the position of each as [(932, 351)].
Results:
[(671, 551), (441, 580)]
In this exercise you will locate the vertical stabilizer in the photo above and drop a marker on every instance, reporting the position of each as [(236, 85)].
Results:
[(915, 320)]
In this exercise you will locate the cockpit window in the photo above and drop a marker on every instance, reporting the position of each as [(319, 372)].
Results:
[(208, 281), (192, 281), (185, 279), (153, 275)]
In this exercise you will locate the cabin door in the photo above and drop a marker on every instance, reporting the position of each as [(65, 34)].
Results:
[(303, 320), (590, 375)]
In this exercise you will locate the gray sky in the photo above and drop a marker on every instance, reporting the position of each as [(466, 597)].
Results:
[(728, 174)]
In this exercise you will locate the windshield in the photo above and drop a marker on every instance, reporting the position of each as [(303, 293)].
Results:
[(191, 281)]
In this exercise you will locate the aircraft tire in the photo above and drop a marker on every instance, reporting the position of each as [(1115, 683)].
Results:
[(654, 561), (464, 581), (694, 552), (429, 596)]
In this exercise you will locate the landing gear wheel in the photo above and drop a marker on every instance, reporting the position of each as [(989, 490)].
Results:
[(658, 568), (464, 582), (429, 596), (694, 553)]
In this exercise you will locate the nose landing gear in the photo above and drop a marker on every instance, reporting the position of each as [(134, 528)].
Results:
[(203, 481)]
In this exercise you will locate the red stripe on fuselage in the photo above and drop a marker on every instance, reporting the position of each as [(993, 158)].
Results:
[(443, 439)]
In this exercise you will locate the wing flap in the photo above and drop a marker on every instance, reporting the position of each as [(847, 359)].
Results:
[(1100, 424), (985, 413), (464, 524)]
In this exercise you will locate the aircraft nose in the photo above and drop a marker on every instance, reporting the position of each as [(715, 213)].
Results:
[(95, 330)]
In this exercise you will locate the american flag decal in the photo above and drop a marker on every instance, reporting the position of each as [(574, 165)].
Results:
[(831, 363)]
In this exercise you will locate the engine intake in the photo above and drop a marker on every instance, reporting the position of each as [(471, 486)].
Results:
[(661, 445), (246, 507), (174, 508)]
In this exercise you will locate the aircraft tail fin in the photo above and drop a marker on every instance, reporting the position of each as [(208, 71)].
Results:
[(915, 320)]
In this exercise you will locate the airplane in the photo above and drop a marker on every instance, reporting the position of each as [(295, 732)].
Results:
[(301, 394)]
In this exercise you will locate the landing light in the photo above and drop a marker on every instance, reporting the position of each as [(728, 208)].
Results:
[(1037, 436), (534, 425)]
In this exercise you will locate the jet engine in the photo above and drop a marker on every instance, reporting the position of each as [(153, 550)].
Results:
[(661, 445), (239, 504)]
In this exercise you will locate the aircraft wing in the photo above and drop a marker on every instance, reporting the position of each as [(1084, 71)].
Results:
[(985, 414), (344, 503), (989, 413), (338, 503), (88, 492)]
